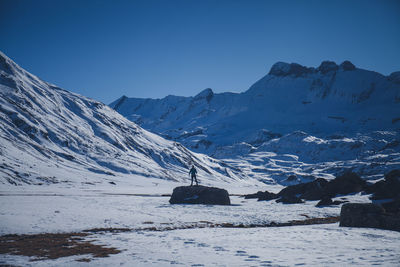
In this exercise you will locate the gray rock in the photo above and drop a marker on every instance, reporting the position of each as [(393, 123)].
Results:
[(368, 215), (200, 195)]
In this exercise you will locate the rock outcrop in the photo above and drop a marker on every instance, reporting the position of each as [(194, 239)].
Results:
[(368, 215), (200, 195)]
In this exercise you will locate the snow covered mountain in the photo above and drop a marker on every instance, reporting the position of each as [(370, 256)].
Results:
[(330, 99), (333, 113), (49, 135)]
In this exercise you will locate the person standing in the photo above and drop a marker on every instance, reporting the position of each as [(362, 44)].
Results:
[(192, 174)]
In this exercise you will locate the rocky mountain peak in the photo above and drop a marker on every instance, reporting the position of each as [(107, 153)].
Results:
[(347, 66), (327, 66), (205, 94), (286, 69)]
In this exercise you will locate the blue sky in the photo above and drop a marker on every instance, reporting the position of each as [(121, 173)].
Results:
[(106, 49)]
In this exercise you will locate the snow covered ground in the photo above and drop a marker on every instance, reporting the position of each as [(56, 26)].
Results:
[(54, 209)]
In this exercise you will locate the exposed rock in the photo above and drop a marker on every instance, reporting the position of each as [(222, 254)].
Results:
[(291, 178), (327, 201), (309, 191), (347, 65), (392, 206), (345, 184), (206, 94), (394, 77), (200, 195), (327, 66), (285, 69), (289, 200), (262, 195), (368, 215), (388, 188)]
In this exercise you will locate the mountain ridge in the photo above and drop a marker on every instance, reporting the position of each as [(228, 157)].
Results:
[(50, 135), (329, 99)]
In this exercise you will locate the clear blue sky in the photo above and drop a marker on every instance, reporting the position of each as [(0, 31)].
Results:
[(106, 49)]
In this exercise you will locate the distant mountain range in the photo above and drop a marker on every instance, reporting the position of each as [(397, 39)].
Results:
[(329, 100), (50, 135), (296, 121)]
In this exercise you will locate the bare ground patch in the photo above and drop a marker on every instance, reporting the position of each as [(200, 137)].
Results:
[(52, 246)]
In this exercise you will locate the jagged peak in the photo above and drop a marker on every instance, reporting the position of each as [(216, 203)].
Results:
[(206, 93), (285, 69), (327, 66), (347, 65)]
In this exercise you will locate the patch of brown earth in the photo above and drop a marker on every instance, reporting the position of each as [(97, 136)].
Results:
[(52, 246)]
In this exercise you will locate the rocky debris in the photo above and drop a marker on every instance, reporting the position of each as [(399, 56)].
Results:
[(345, 184), (289, 200), (200, 195), (368, 215), (347, 66), (387, 188), (318, 189)]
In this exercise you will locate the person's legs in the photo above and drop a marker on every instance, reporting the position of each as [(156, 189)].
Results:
[(192, 180), (195, 178)]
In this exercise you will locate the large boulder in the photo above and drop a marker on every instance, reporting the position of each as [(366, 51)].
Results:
[(200, 195), (387, 188), (309, 191), (368, 215), (345, 184)]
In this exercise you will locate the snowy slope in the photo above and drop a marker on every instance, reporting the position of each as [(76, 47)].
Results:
[(327, 100), (49, 135)]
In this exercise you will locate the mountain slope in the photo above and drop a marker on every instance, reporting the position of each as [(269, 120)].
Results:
[(327, 100), (50, 135)]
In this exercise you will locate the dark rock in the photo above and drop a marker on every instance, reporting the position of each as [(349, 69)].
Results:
[(262, 196), (392, 206), (386, 189), (291, 178), (368, 215), (309, 191), (315, 190), (286, 69), (347, 65), (394, 77), (345, 184), (327, 66), (289, 200), (327, 201), (267, 196), (200, 195), (255, 195)]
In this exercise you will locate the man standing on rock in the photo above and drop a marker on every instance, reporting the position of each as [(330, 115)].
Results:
[(192, 174)]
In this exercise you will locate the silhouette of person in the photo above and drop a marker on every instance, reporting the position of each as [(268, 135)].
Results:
[(192, 174)]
